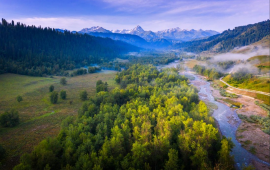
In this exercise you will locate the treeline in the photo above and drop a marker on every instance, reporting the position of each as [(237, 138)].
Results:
[(240, 76), (131, 60), (155, 122), (229, 39), (37, 51), (210, 73)]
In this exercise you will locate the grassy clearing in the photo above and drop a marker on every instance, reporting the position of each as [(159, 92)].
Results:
[(192, 63), (38, 117), (233, 103), (259, 84)]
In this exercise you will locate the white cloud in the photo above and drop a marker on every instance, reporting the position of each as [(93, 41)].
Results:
[(72, 24)]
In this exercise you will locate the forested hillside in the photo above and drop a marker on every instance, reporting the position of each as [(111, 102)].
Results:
[(240, 36), (156, 122), (37, 51), (128, 38)]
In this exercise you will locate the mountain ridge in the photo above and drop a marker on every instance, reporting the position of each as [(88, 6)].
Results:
[(170, 34)]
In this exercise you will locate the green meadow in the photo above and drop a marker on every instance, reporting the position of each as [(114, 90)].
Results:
[(38, 117)]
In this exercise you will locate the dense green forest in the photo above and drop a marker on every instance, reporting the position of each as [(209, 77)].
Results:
[(155, 59), (156, 122), (210, 73), (37, 51), (229, 39)]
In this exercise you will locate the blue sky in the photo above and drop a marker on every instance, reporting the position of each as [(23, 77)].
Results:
[(152, 15)]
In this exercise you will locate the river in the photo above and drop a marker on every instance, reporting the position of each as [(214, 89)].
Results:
[(241, 155)]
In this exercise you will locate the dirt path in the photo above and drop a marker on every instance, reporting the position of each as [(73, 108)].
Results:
[(253, 91)]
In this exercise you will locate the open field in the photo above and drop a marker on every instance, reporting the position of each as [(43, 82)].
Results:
[(38, 117), (258, 84), (191, 63)]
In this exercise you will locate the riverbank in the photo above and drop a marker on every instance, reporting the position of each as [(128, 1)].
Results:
[(249, 135), (229, 125)]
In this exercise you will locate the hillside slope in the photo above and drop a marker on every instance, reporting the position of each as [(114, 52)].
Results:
[(36, 51), (229, 39)]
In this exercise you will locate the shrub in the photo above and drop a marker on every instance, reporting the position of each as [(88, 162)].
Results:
[(63, 94), (51, 88), (83, 95), (9, 119), (2, 152), (54, 97), (19, 98), (63, 81)]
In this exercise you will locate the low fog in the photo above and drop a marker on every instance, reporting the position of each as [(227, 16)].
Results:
[(240, 60)]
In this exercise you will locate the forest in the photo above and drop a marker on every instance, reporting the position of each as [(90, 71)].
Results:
[(210, 73), (155, 121), (36, 51), (229, 39)]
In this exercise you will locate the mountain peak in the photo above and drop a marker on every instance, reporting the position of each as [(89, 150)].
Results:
[(138, 29), (95, 29)]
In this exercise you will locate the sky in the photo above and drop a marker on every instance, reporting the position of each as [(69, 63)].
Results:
[(155, 15)]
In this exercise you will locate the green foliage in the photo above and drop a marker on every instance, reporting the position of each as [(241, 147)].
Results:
[(78, 72), (2, 154), (54, 97), (19, 98), (63, 94), (83, 95), (229, 39), (93, 69), (225, 158), (45, 51), (9, 118), (100, 86), (264, 122), (63, 81), (155, 122), (211, 74), (172, 163), (51, 88)]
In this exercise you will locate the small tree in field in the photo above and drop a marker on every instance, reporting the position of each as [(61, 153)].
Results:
[(54, 97), (83, 95), (19, 98), (63, 81), (9, 118), (63, 94), (51, 88)]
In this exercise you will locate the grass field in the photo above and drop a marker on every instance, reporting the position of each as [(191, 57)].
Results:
[(259, 84), (38, 117), (191, 63)]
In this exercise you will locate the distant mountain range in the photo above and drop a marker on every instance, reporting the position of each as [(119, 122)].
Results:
[(175, 34), (229, 39), (148, 39)]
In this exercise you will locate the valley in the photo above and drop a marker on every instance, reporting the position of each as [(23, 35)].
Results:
[(134, 99)]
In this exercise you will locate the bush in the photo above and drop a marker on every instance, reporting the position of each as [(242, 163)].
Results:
[(54, 97), (51, 88), (63, 94), (2, 153), (9, 119), (19, 98), (83, 95), (63, 81)]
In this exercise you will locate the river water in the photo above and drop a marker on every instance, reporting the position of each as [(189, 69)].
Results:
[(241, 155)]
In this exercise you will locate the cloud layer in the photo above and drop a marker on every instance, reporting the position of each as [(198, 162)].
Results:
[(153, 15)]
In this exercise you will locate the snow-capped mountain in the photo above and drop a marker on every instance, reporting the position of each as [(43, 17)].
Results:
[(173, 34), (170, 34), (124, 31), (184, 34), (95, 29)]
